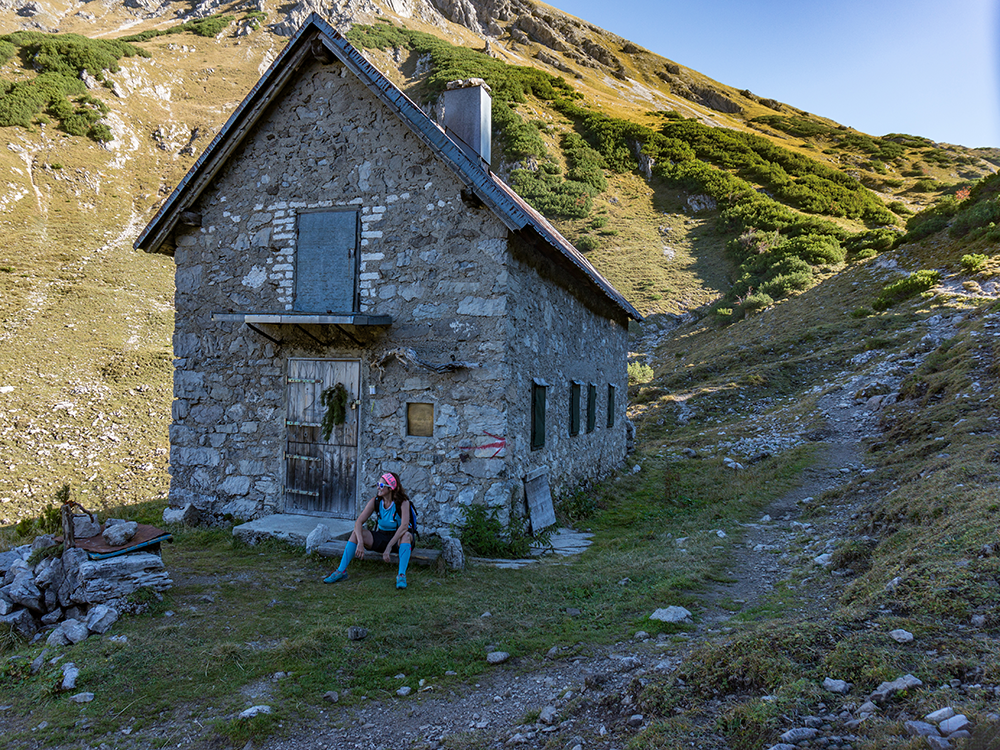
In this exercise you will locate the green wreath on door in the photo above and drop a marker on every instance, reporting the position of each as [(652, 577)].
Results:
[(335, 400)]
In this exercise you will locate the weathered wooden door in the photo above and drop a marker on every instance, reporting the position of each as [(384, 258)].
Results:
[(321, 475)]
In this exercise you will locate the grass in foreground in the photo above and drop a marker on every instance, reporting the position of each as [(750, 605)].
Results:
[(238, 615)]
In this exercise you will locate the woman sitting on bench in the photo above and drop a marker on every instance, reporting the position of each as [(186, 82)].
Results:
[(391, 534)]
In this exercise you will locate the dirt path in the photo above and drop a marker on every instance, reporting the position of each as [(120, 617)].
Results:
[(586, 698), (775, 544)]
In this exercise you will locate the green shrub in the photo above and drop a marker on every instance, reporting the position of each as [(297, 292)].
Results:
[(61, 60), (638, 373), (750, 725), (577, 506), (585, 164), (973, 263), (754, 661), (926, 228), (904, 289), (205, 27), (71, 54), (100, 133), (985, 188), (800, 127), (925, 186), (552, 195), (875, 239), (208, 27), (50, 520), (483, 535), (521, 139), (861, 658), (587, 243), (722, 314), (7, 51), (816, 249), (784, 284), (756, 302), (975, 216)]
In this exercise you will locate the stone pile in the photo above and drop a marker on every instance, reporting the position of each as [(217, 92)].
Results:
[(68, 594), (836, 730)]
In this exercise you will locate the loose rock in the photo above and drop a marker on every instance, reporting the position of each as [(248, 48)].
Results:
[(355, 633), (120, 533), (671, 614), (901, 636), (70, 673), (254, 711), (954, 724), (837, 686), (799, 734)]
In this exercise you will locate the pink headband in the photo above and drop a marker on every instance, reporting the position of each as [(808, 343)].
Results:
[(390, 480)]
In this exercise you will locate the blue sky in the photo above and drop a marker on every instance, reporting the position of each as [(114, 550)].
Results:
[(923, 67)]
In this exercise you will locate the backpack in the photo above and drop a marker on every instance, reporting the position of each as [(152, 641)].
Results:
[(413, 521), (373, 520)]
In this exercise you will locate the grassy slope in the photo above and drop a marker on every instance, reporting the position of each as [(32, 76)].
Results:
[(86, 322)]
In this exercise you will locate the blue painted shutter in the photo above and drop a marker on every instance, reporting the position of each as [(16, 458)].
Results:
[(326, 261)]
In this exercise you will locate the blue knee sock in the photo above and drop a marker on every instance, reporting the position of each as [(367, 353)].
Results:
[(404, 557), (349, 551)]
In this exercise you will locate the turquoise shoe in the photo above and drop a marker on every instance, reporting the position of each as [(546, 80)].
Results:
[(401, 581), (337, 575)]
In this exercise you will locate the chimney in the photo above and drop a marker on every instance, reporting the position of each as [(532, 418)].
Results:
[(467, 116)]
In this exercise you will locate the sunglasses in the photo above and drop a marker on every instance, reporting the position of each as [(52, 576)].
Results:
[(382, 485)]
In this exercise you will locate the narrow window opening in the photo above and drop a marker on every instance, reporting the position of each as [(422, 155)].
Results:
[(537, 414), (591, 406), (574, 407)]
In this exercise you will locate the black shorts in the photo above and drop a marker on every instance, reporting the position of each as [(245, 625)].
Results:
[(381, 539)]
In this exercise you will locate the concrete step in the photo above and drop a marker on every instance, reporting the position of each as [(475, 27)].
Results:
[(291, 528)]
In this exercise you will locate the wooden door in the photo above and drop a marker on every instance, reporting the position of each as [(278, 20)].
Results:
[(321, 475)]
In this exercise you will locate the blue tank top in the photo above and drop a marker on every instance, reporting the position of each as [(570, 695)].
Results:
[(387, 518)]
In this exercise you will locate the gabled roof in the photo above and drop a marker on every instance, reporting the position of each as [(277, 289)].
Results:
[(509, 207)]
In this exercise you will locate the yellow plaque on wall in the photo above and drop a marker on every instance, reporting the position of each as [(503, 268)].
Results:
[(420, 420)]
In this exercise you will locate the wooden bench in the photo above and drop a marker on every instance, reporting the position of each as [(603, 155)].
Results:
[(335, 548)]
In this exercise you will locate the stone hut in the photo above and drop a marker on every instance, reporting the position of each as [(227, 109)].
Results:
[(357, 292)]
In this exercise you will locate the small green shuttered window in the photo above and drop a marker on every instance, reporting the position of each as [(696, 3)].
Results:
[(574, 407), (537, 414), (611, 405), (591, 407), (326, 261)]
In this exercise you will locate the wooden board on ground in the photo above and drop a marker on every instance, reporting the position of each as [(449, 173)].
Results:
[(540, 509)]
